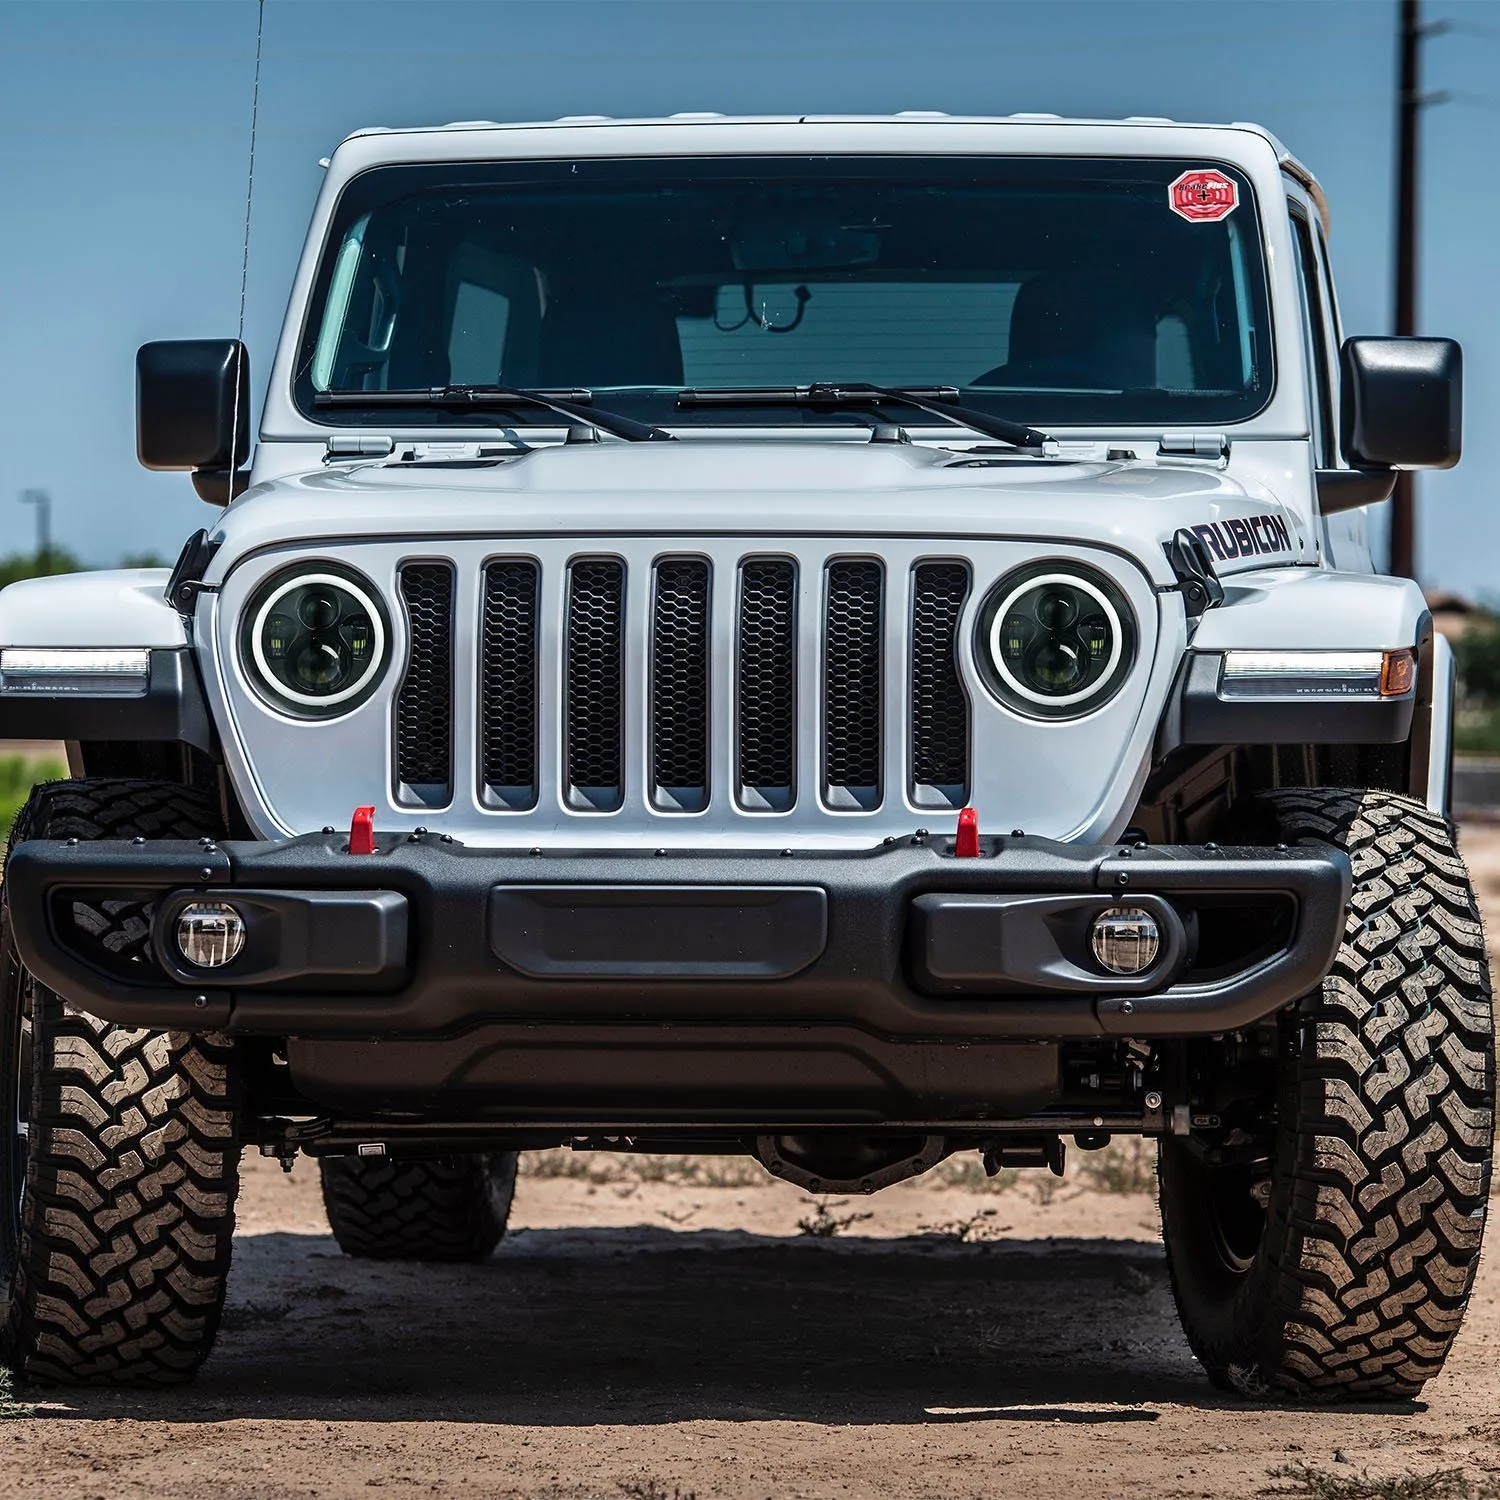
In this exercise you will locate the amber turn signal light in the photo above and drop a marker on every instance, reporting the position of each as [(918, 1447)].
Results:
[(1398, 673)]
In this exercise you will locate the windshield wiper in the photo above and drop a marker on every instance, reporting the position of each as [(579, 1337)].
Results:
[(938, 401), (482, 397)]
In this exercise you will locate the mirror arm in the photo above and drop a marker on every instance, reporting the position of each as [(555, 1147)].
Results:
[(220, 486), (1348, 489)]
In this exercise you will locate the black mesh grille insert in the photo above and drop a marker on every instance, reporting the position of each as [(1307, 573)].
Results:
[(766, 683), (424, 706), (679, 683), (595, 665), (939, 705), (508, 682), (851, 697)]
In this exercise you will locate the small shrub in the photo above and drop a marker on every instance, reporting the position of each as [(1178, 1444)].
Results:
[(974, 1230), (629, 1166), (653, 1489), (823, 1224), (966, 1173), (10, 1408), (1124, 1166), (1303, 1482)]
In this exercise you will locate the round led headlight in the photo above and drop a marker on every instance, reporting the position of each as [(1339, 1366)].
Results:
[(315, 640), (1055, 641)]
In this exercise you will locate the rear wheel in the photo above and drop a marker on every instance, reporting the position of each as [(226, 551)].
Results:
[(119, 1154), (1339, 1264), (450, 1208)]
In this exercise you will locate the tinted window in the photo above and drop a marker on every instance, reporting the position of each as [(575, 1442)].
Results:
[(1051, 290)]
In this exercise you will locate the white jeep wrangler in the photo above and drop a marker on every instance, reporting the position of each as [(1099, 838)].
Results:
[(844, 640)]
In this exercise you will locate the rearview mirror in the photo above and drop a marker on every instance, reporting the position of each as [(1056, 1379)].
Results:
[(193, 411), (1402, 403)]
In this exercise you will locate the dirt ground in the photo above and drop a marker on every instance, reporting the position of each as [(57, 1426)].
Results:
[(650, 1339)]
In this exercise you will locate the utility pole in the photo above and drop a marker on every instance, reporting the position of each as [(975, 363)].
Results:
[(43, 502), (1403, 507), (1410, 102)]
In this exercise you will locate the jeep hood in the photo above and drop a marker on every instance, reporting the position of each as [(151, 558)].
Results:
[(782, 489)]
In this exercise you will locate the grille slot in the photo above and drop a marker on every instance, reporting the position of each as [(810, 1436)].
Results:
[(594, 668), (939, 706), (852, 618), (766, 685), (424, 705), (508, 684), (679, 684)]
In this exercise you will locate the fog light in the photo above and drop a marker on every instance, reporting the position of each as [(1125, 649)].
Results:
[(1125, 939), (210, 934)]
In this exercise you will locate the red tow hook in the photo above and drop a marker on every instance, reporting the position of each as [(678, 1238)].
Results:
[(362, 831), (966, 845)]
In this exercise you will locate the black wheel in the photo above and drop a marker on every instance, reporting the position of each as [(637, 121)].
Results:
[(120, 1157), (450, 1208), (1339, 1268)]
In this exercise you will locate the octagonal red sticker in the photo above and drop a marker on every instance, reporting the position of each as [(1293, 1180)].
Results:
[(1204, 196)]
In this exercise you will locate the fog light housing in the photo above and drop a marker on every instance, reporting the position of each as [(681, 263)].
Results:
[(210, 934), (1125, 939)]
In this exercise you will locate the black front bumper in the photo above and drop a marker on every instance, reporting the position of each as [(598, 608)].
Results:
[(893, 982)]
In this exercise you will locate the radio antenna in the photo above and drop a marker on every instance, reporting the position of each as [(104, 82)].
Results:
[(239, 363)]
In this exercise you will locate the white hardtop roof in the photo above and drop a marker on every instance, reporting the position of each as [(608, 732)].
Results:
[(915, 118)]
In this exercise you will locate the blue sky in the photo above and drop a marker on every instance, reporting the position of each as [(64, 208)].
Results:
[(124, 127)]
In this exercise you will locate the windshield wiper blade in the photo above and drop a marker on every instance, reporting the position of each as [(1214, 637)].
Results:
[(484, 396), (938, 401)]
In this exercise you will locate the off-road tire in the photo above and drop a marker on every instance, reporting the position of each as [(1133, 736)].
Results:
[(1380, 1168), (450, 1208), (114, 1270)]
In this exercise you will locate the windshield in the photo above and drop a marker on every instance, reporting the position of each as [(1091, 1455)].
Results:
[(1047, 290)]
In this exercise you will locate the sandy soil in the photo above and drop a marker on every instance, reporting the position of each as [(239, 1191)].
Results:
[(653, 1339)]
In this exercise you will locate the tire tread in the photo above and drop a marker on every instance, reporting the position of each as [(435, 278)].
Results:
[(134, 1164)]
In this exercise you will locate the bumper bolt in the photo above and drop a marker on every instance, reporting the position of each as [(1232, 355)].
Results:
[(1127, 1007), (205, 873), (329, 828), (1153, 1100), (200, 1002), (1122, 878)]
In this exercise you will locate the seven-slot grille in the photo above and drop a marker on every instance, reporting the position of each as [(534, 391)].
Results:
[(815, 652)]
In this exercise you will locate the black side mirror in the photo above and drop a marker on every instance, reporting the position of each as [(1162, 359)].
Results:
[(1402, 403), (192, 401)]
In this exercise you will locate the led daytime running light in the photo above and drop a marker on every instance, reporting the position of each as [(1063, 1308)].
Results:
[(1318, 674)]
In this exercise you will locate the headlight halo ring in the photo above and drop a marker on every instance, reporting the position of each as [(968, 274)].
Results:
[(272, 686), (1104, 597)]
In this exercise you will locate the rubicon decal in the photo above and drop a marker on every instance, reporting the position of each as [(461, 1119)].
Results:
[(1203, 197), (1245, 536)]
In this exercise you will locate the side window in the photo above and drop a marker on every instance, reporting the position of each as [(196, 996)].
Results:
[(1315, 340), (1174, 354), (476, 339)]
